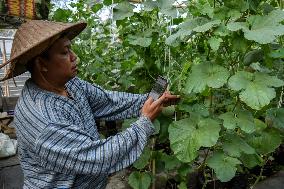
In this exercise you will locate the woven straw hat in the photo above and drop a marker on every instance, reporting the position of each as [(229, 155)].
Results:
[(34, 37)]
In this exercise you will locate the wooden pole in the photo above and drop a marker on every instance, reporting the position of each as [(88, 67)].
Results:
[(6, 83), (135, 1), (182, 5)]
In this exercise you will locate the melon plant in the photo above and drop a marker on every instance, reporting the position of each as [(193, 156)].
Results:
[(225, 59)]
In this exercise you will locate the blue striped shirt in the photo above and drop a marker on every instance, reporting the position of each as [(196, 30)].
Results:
[(59, 145)]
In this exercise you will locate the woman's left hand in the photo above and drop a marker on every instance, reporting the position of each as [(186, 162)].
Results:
[(170, 99)]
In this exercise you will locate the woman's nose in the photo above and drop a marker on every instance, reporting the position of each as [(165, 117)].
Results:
[(73, 56)]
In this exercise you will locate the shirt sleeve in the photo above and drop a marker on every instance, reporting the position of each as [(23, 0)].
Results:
[(67, 149), (113, 105)]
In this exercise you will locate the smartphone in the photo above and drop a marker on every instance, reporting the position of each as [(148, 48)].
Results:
[(159, 88)]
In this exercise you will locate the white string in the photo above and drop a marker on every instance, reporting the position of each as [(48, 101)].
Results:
[(112, 23), (280, 99), (165, 59), (169, 53)]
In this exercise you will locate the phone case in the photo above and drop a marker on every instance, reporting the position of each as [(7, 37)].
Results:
[(159, 88)]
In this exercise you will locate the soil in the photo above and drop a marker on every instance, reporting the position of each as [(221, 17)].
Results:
[(119, 180)]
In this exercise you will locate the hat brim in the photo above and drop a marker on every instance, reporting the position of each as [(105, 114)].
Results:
[(18, 63)]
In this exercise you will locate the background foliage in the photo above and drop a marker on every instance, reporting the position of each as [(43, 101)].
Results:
[(224, 57)]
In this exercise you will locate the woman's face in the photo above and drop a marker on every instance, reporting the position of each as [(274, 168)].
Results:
[(61, 63)]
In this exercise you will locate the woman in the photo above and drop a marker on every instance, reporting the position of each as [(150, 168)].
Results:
[(59, 145)]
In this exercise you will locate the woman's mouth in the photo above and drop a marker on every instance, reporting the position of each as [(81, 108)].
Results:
[(75, 68)]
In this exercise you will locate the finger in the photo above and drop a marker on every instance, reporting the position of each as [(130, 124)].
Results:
[(171, 101), (149, 101), (159, 101), (158, 109), (168, 92), (170, 96)]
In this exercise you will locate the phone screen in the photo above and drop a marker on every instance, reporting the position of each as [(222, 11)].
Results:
[(159, 88)]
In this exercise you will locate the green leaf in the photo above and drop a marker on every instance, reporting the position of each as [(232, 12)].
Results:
[(241, 5), (190, 24), (96, 7), (258, 67), (262, 29), (139, 40), (184, 169), (223, 165), (235, 26), (259, 125), (189, 27), (214, 43), (123, 10), (206, 75), (171, 162), (257, 95), (173, 40), (182, 140), (205, 8), (240, 80), (187, 136), (168, 111), (251, 160), (266, 142), (127, 123), (109, 2), (207, 26), (182, 185), (164, 125), (139, 180), (277, 53), (143, 159), (276, 115), (268, 80), (199, 109), (207, 132), (221, 31), (256, 89), (235, 146), (150, 5), (253, 4), (185, 29), (167, 8), (157, 126), (239, 44), (223, 13), (242, 119), (61, 15)]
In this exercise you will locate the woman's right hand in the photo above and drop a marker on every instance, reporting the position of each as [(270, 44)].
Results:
[(151, 108)]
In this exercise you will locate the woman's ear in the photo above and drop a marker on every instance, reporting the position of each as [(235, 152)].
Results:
[(40, 64)]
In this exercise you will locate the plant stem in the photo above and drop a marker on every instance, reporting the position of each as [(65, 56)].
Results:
[(153, 164), (258, 178), (260, 174), (211, 102), (206, 180), (213, 179), (203, 163), (154, 173), (238, 99), (202, 166)]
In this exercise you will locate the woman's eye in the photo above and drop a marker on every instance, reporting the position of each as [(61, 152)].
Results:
[(65, 52)]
